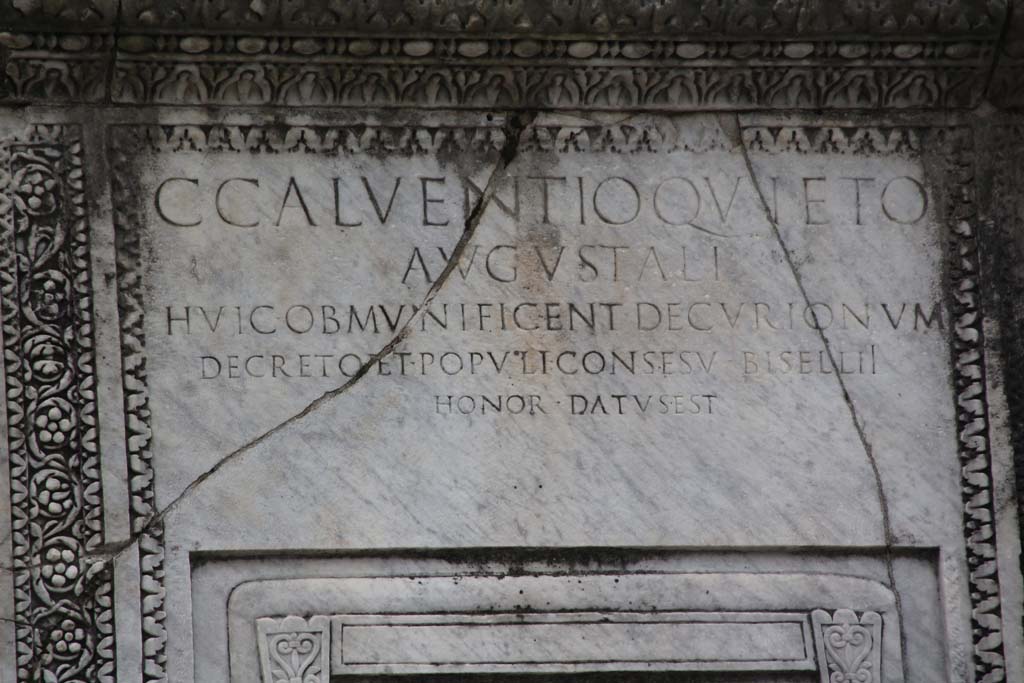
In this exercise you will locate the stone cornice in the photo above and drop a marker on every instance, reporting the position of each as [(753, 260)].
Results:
[(677, 55), (736, 18), (634, 54)]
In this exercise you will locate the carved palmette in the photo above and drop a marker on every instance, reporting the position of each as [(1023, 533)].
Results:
[(294, 649), (849, 647)]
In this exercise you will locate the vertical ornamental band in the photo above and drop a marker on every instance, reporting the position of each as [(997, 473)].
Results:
[(62, 593)]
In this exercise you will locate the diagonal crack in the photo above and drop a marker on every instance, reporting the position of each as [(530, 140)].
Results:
[(997, 51), (515, 125), (20, 623), (733, 129)]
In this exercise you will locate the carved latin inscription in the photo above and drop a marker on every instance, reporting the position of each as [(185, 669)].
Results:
[(590, 294)]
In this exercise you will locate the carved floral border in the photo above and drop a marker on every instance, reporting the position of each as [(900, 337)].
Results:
[(64, 630), (967, 340)]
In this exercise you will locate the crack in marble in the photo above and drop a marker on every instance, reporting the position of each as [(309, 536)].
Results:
[(997, 50), (20, 623), (732, 128), (111, 74), (515, 125)]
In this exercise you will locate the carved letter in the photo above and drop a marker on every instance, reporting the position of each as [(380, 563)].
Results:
[(292, 186), (220, 209), (808, 201), (427, 200), (923, 201), (158, 203), (382, 215), (636, 202)]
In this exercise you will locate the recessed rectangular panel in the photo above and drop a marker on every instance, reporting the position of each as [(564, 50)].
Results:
[(574, 623), (730, 640)]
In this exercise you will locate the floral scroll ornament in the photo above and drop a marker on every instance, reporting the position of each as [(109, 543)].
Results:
[(849, 648), (64, 630), (294, 650)]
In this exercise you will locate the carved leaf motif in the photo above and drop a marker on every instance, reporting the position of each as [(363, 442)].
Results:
[(849, 647), (293, 649), (294, 653)]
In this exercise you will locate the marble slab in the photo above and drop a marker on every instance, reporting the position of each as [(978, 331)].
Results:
[(507, 394)]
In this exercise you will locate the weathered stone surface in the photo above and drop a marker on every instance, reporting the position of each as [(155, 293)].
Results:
[(473, 340)]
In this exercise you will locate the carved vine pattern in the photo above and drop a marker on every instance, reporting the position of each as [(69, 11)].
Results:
[(967, 342), (63, 597)]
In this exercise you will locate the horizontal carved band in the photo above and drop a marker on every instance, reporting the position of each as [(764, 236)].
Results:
[(669, 76), (517, 17), (606, 54)]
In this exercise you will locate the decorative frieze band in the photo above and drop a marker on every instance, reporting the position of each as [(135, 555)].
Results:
[(518, 17), (670, 56)]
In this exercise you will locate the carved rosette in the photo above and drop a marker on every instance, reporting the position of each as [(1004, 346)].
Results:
[(849, 646), (294, 650), (63, 603)]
